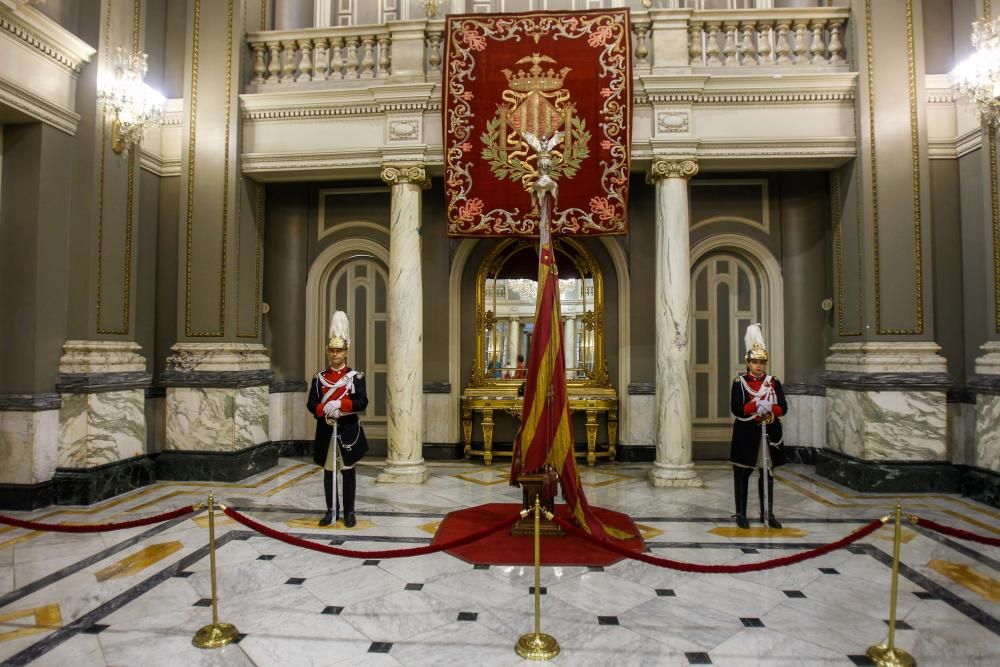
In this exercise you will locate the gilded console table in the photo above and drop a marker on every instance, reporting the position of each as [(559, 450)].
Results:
[(605, 403)]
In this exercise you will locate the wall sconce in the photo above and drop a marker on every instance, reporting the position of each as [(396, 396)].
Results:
[(430, 8), (978, 76), (134, 105)]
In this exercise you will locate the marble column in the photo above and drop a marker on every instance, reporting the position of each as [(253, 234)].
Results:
[(514, 338), (673, 465), (569, 344), (405, 384)]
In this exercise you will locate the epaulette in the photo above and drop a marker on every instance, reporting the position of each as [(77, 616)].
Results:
[(360, 375), (736, 379)]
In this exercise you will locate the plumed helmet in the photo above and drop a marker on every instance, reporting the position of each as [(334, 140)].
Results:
[(754, 340), (340, 331)]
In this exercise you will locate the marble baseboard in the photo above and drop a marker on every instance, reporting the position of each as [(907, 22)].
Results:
[(635, 453), (294, 448), (288, 418), (29, 446), (988, 432), (97, 429), (86, 486), (805, 423), (216, 466), (217, 419), (887, 425), (889, 476), (438, 423), (25, 497), (803, 455)]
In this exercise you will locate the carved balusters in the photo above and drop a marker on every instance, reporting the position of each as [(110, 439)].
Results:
[(729, 45), (695, 49), (641, 49), (434, 52), (322, 60), (274, 65), (764, 43), (336, 58), (800, 47), (368, 59), (287, 61), (351, 64), (383, 56), (836, 46), (258, 62), (748, 50), (305, 63), (712, 45), (817, 48), (781, 48)]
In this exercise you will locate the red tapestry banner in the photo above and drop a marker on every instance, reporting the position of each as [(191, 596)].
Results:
[(517, 85)]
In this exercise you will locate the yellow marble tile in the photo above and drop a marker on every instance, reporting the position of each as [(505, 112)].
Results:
[(312, 522), (981, 584), (484, 476), (735, 532), (431, 528), (220, 520), (46, 617), (887, 534), (648, 532), (138, 561)]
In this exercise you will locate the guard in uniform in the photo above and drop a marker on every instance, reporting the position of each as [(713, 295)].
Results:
[(757, 401), (336, 396)]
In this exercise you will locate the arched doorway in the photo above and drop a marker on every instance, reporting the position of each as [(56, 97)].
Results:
[(734, 282)]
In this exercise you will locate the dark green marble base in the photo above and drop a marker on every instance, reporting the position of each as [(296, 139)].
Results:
[(86, 486), (803, 455), (293, 448), (635, 453), (981, 485), (25, 497), (889, 476), (443, 451), (188, 465)]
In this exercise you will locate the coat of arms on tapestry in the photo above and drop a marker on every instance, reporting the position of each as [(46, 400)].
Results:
[(518, 85)]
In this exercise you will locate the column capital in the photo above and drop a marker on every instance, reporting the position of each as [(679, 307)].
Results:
[(397, 174), (668, 168)]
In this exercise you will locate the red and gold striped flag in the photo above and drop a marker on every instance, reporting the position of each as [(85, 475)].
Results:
[(546, 433)]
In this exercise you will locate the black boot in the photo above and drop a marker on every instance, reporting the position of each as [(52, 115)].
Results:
[(741, 479), (328, 490), (350, 486), (767, 516)]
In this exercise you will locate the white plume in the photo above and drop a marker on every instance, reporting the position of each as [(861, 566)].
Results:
[(754, 338), (340, 327)]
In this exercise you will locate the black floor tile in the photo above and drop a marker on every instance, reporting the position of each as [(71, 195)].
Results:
[(752, 622), (924, 595), (480, 567), (295, 581), (266, 557), (595, 568), (333, 611), (95, 629), (413, 587), (607, 620), (795, 594), (336, 542), (828, 570), (239, 637), (467, 615), (371, 562), (749, 550), (380, 647), (204, 602), (666, 593), (531, 590), (698, 659), (861, 660), (183, 574), (900, 625)]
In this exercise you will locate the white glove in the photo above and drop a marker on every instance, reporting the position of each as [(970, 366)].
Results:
[(331, 407), (763, 407), (336, 414)]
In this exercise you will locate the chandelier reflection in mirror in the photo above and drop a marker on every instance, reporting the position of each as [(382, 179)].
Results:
[(132, 103), (978, 76)]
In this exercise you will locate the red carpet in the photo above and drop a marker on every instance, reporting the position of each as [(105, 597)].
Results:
[(502, 548)]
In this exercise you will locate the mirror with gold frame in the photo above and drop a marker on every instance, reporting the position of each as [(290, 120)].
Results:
[(506, 288)]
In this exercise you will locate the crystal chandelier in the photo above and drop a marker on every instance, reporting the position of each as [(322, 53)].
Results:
[(978, 76), (133, 104)]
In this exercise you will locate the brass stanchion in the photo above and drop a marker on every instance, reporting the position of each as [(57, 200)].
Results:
[(217, 634), (887, 655), (537, 645)]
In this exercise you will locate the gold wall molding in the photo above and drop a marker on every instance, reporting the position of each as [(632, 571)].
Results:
[(258, 216), (664, 168), (409, 173), (915, 156), (220, 329), (991, 131)]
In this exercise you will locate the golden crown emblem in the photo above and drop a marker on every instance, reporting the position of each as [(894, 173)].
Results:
[(536, 79)]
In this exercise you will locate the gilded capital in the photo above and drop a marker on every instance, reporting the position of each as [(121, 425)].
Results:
[(663, 168), (397, 174)]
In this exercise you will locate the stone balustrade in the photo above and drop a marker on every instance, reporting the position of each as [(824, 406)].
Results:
[(662, 39)]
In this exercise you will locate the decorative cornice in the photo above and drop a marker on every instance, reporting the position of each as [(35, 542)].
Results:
[(29, 402), (886, 381), (216, 379), (667, 168), (37, 107), (42, 34), (400, 174), (92, 383)]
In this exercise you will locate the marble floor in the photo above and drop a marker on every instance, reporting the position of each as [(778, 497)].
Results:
[(137, 597)]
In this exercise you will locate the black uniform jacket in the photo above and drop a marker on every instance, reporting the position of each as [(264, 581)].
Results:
[(351, 436), (746, 434)]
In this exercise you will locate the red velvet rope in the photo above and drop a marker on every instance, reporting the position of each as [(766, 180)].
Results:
[(957, 532), (96, 528), (723, 569), (351, 553)]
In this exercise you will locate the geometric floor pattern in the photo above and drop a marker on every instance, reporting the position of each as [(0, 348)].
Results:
[(137, 597)]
